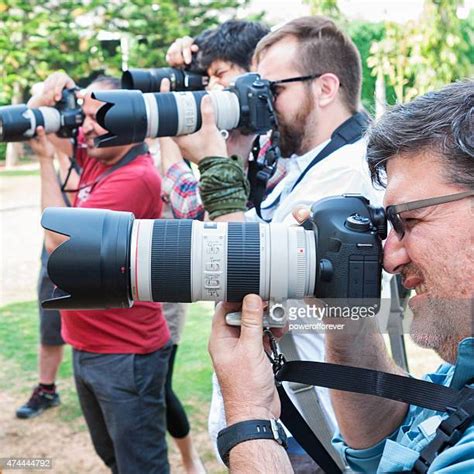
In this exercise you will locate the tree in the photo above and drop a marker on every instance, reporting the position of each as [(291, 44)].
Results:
[(325, 7), (151, 26), (364, 34), (38, 38), (425, 54)]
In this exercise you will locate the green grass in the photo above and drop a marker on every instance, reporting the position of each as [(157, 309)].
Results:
[(8, 173), (18, 359)]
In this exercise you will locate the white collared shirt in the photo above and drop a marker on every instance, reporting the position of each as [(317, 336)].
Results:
[(344, 171)]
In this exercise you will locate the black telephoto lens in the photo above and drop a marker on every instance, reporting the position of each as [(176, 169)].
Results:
[(149, 80), (15, 125)]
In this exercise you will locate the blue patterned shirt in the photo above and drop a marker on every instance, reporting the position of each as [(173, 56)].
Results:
[(399, 451)]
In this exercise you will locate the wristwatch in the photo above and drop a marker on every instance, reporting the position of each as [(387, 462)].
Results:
[(246, 431)]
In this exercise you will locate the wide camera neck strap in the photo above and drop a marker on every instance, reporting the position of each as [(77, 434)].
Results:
[(458, 404), (131, 154)]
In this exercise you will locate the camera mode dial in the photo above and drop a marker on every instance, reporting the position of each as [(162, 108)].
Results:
[(358, 223)]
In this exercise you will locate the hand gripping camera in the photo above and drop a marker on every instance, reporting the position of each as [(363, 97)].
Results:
[(112, 259), (18, 122), (131, 116)]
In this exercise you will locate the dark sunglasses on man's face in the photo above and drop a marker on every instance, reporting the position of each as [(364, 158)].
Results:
[(275, 84), (399, 223)]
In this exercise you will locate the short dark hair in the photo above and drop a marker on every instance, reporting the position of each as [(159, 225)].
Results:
[(441, 122), (233, 41), (109, 81), (323, 48), (195, 65)]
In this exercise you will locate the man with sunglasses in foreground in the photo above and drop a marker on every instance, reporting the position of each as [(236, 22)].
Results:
[(315, 74), (424, 153), (120, 356)]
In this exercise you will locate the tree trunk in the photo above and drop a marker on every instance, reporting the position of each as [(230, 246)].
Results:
[(380, 96), (13, 154), (14, 150)]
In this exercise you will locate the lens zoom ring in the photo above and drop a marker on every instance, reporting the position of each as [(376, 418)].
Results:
[(243, 260), (301, 256), (171, 261)]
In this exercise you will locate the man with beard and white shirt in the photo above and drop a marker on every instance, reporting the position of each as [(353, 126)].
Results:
[(315, 70)]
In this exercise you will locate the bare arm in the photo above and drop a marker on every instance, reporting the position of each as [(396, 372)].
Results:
[(259, 456), (233, 217), (208, 141), (51, 195), (170, 154)]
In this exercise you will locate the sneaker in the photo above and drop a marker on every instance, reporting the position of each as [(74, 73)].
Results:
[(39, 401)]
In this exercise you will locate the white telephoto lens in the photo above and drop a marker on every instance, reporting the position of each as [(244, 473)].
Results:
[(226, 109), (183, 260)]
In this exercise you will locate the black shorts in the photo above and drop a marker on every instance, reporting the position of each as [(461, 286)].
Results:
[(50, 319)]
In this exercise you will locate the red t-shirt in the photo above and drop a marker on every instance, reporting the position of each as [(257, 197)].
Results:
[(134, 187)]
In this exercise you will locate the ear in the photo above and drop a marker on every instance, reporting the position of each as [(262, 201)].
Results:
[(253, 65), (328, 86)]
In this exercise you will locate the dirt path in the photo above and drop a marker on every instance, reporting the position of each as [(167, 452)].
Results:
[(20, 237)]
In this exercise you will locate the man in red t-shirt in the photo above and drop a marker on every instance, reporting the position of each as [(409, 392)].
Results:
[(120, 356)]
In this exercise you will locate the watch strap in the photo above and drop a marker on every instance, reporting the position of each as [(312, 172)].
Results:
[(248, 430)]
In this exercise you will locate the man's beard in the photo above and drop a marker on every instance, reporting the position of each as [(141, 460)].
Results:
[(442, 316), (293, 132), (440, 324)]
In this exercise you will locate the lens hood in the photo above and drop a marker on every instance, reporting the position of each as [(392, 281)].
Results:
[(124, 117), (97, 252)]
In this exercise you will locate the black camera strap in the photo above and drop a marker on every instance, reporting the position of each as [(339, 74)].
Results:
[(131, 154), (347, 133), (459, 404), (260, 172)]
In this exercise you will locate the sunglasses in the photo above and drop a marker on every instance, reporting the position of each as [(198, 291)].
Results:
[(399, 223), (310, 77)]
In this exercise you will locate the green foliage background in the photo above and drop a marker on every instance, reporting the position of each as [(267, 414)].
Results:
[(82, 37), (37, 38), (412, 58)]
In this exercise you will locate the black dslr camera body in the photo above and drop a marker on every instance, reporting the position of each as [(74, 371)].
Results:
[(131, 116), (18, 122), (337, 254), (257, 115)]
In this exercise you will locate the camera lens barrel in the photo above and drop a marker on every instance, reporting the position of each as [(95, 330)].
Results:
[(18, 122), (149, 80), (126, 259), (184, 261), (130, 116), (174, 260)]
